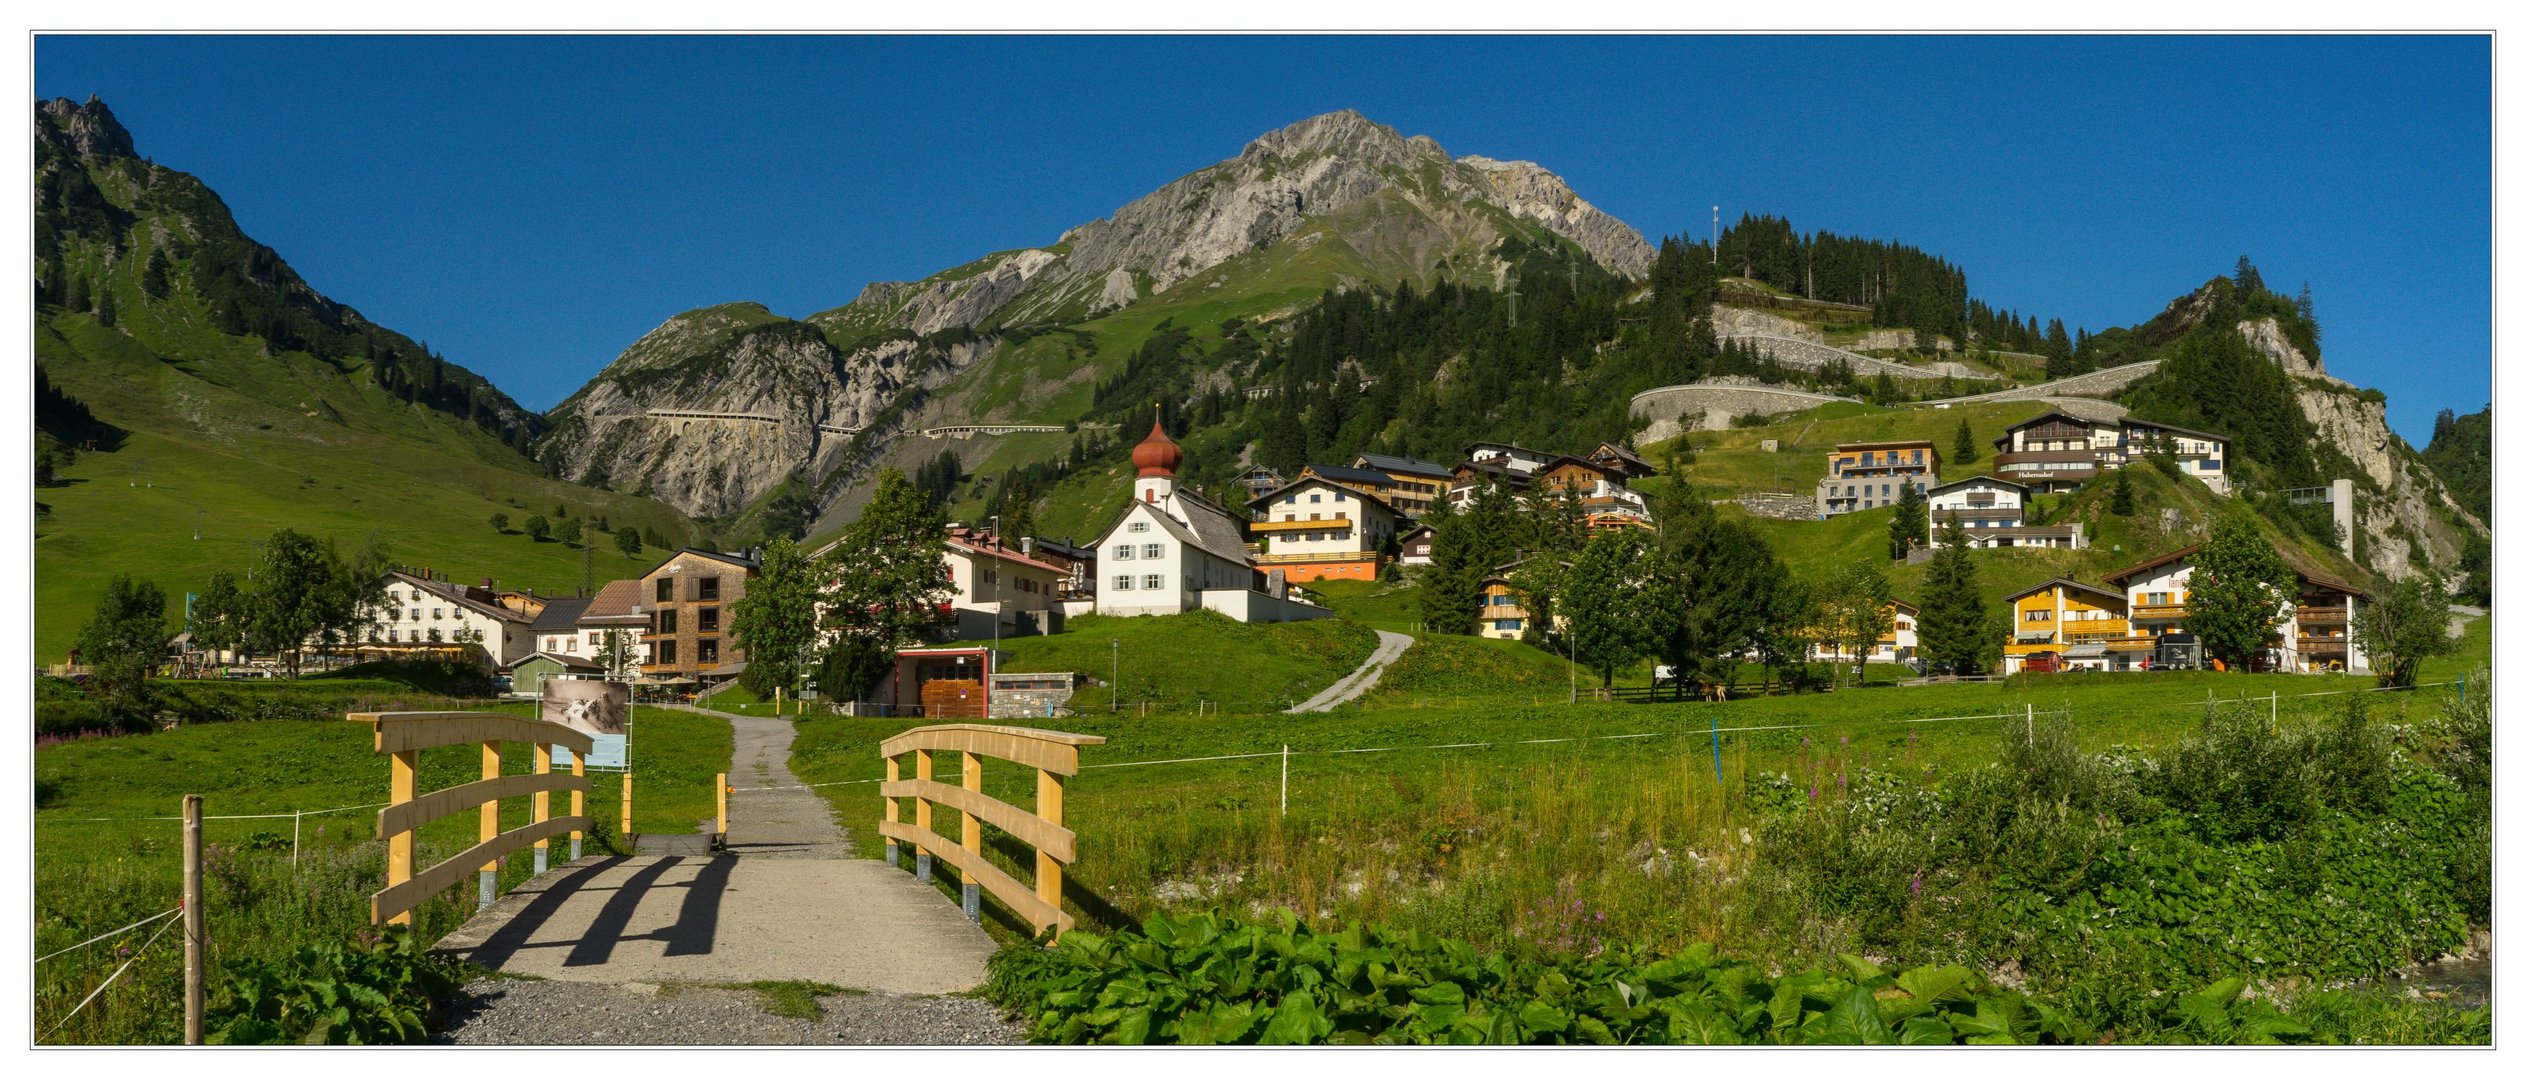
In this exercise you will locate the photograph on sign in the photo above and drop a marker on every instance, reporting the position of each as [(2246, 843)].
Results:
[(590, 705)]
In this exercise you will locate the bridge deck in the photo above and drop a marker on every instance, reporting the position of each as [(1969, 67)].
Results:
[(786, 902)]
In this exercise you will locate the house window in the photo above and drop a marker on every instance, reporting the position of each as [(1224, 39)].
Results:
[(1153, 581), (1123, 551), (1122, 583), (709, 590), (666, 622), (1152, 551), (708, 621), (1508, 624), (708, 652), (1339, 497), (2038, 616), (1290, 499), (1315, 496), (1137, 526), (666, 593), (666, 652), (416, 614), (437, 614)]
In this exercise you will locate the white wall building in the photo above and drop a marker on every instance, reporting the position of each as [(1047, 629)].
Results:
[(1977, 502), (422, 613), (1172, 551), (995, 583)]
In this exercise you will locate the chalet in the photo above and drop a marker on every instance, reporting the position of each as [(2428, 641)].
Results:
[(688, 596), (1977, 502), (2056, 451), (1416, 485), (1513, 467), (1078, 565), (1900, 641), (1867, 475), (612, 624), (1600, 485), (2314, 633), (1504, 613), (1260, 479), (997, 584), (2200, 454), (1171, 551), (2155, 591), (2065, 624), (556, 627), (1416, 546), (418, 615), (1317, 528)]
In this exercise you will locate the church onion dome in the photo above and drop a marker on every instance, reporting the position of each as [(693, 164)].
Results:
[(1157, 455)]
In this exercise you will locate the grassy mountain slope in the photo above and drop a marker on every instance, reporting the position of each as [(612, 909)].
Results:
[(311, 417)]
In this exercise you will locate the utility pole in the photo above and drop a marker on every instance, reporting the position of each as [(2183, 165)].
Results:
[(991, 667), (1114, 682), (1714, 238)]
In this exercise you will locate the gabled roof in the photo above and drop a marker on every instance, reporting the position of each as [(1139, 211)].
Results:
[(617, 604), (722, 556), (1211, 528), (1631, 461), (560, 615), (1390, 463), (458, 595), (2073, 583), (1510, 447), (572, 663), (2134, 421), (2129, 572), (1003, 554), (2053, 414), (1416, 530), (1976, 481), (1891, 444), (1365, 496), (1345, 474)]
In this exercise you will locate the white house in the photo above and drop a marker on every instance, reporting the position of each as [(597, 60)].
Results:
[(994, 582), (1900, 641), (2200, 454), (1315, 528), (420, 614), (1172, 551), (1977, 502)]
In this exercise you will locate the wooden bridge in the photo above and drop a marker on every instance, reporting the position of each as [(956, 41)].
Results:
[(777, 896)]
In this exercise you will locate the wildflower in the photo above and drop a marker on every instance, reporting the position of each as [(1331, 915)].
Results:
[(1916, 884)]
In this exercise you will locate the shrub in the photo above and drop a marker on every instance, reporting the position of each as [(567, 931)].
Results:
[(386, 989)]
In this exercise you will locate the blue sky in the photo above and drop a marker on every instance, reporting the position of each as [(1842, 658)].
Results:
[(530, 206)]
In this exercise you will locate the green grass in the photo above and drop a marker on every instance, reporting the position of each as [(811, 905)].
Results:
[(94, 875), (1733, 462), (1200, 656), (1537, 818), (1380, 605), (791, 998)]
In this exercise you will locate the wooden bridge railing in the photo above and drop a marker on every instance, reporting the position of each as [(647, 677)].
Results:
[(404, 735), (1054, 756)]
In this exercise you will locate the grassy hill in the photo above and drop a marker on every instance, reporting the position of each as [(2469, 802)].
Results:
[(223, 393), (1199, 655)]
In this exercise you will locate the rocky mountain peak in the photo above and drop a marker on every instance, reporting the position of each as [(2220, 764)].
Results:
[(88, 130), (1344, 133)]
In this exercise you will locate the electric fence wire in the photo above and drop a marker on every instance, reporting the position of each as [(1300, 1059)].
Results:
[(109, 980), (108, 934)]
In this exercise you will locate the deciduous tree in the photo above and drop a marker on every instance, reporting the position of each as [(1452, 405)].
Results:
[(2237, 587), (890, 575), (1854, 609), (123, 643), (2399, 625), (1619, 608), (775, 621)]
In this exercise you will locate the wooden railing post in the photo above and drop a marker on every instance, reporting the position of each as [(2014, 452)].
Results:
[(402, 784), (626, 832), (972, 781), (894, 812), (1047, 869), (543, 805), (921, 816), (719, 785), (578, 800), (490, 821)]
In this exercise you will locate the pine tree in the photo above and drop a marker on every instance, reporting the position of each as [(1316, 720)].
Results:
[(1910, 526), (2249, 281), (2236, 587), (627, 541), (105, 307), (153, 275), (78, 299), (1968, 449), (1956, 631), (2121, 505)]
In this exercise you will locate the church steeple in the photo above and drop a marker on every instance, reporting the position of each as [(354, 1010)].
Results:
[(1156, 457)]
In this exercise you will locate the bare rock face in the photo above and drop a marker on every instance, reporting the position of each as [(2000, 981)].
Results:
[(2409, 517), (752, 397), (1529, 191), (87, 130), (2266, 337), (1727, 321)]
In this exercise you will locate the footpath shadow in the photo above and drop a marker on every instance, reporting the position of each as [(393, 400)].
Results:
[(695, 931)]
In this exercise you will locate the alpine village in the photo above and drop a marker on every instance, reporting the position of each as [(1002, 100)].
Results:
[(1524, 631)]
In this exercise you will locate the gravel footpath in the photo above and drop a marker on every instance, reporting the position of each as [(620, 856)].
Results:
[(515, 1012)]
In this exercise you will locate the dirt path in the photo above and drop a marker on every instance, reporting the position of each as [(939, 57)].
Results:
[(786, 902)]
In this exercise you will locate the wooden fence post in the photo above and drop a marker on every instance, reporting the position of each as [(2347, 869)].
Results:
[(490, 821), (921, 816), (402, 784), (193, 944), (894, 813), (973, 836), (578, 801), (543, 805), (719, 786), (1047, 868), (626, 832)]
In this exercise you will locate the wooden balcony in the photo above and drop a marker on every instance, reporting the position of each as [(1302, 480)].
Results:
[(2323, 616), (2090, 630), (2324, 646), (2157, 611), (1335, 522)]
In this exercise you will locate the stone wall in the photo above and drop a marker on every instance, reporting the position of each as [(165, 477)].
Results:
[(1710, 406)]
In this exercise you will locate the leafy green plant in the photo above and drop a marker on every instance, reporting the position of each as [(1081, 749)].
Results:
[(385, 989)]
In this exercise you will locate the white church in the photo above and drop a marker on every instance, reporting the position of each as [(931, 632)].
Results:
[(1173, 551)]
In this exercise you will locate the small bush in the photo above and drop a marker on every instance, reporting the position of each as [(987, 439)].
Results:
[(380, 990)]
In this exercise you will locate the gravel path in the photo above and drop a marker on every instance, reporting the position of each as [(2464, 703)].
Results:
[(513, 1012), (1389, 646)]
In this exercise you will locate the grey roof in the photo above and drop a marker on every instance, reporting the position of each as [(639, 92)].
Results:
[(2082, 652), (1216, 530), (1393, 464), (1365, 496), (1983, 479), (568, 663), (561, 615)]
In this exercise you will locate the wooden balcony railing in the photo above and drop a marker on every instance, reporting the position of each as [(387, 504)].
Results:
[(2157, 611), (1054, 756)]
